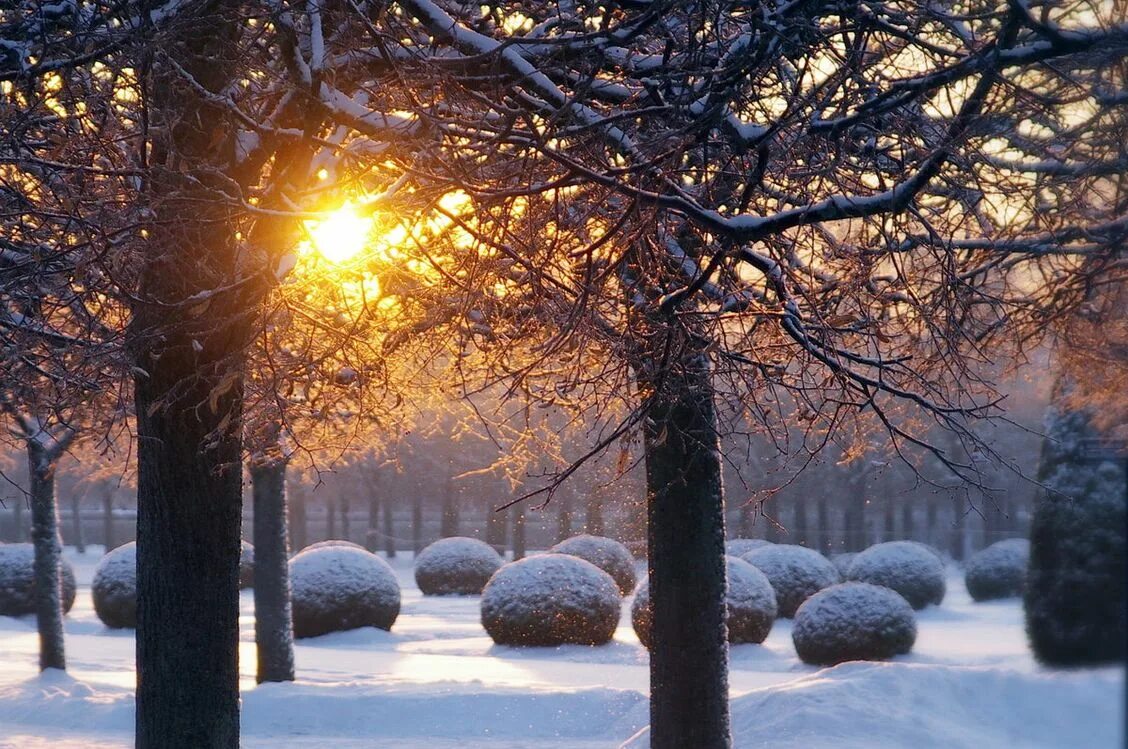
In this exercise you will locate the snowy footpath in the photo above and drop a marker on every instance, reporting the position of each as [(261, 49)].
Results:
[(437, 681)]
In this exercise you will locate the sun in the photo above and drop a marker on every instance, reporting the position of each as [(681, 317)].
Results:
[(340, 236)]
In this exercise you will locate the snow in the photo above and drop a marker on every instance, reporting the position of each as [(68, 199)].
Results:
[(853, 621), (437, 681), (999, 571), (456, 566), (908, 567), (749, 598), (551, 599), (605, 553), (795, 572)]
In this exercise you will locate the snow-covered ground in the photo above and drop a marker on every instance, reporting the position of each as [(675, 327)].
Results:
[(437, 681)]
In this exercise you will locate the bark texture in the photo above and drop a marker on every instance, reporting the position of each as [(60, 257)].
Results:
[(48, 549), (274, 634)]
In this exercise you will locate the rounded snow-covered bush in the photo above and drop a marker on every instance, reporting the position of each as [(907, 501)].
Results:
[(550, 599), (605, 553), (114, 587), (853, 621), (456, 566), (335, 588), (999, 571), (750, 603), (843, 561), (17, 580), (738, 547), (795, 572), (246, 565), (331, 543), (905, 566)]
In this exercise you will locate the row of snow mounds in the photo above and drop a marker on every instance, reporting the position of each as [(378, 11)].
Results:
[(17, 580), (605, 553), (795, 572), (114, 587), (337, 587), (750, 604), (912, 569), (999, 571)]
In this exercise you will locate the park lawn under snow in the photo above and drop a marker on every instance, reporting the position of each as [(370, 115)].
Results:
[(437, 681)]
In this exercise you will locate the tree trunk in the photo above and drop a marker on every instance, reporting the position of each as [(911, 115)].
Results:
[(372, 535), (76, 518), (417, 522), (855, 515), (959, 520), (826, 542), (932, 521), (48, 550), (593, 521), (330, 517), (496, 528), (564, 516), (346, 529), (299, 526), (389, 528), (519, 548), (18, 535), (908, 521), (450, 510), (689, 648), (274, 634), (747, 519), (188, 359), (108, 517), (890, 522), (801, 528)]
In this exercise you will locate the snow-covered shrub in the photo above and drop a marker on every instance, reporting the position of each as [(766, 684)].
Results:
[(456, 566), (999, 571), (905, 566), (750, 603), (335, 588), (114, 587), (1075, 586), (795, 572), (246, 565), (843, 561), (17, 580), (738, 547), (330, 544), (605, 553), (853, 621), (550, 599)]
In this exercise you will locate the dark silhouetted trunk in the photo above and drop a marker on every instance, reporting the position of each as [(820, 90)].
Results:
[(372, 535), (188, 358), (274, 635), (890, 521), (747, 519), (450, 510), (959, 520), (908, 521), (18, 535), (346, 528), (389, 528), (76, 523), (855, 516), (932, 521), (519, 545), (48, 551), (801, 528), (689, 651)]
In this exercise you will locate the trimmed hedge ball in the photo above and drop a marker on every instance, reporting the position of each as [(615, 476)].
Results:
[(17, 580), (843, 561), (246, 565), (337, 588), (795, 572), (853, 622), (738, 547), (456, 566), (605, 553), (905, 566), (551, 599), (114, 587), (999, 571), (750, 603)]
